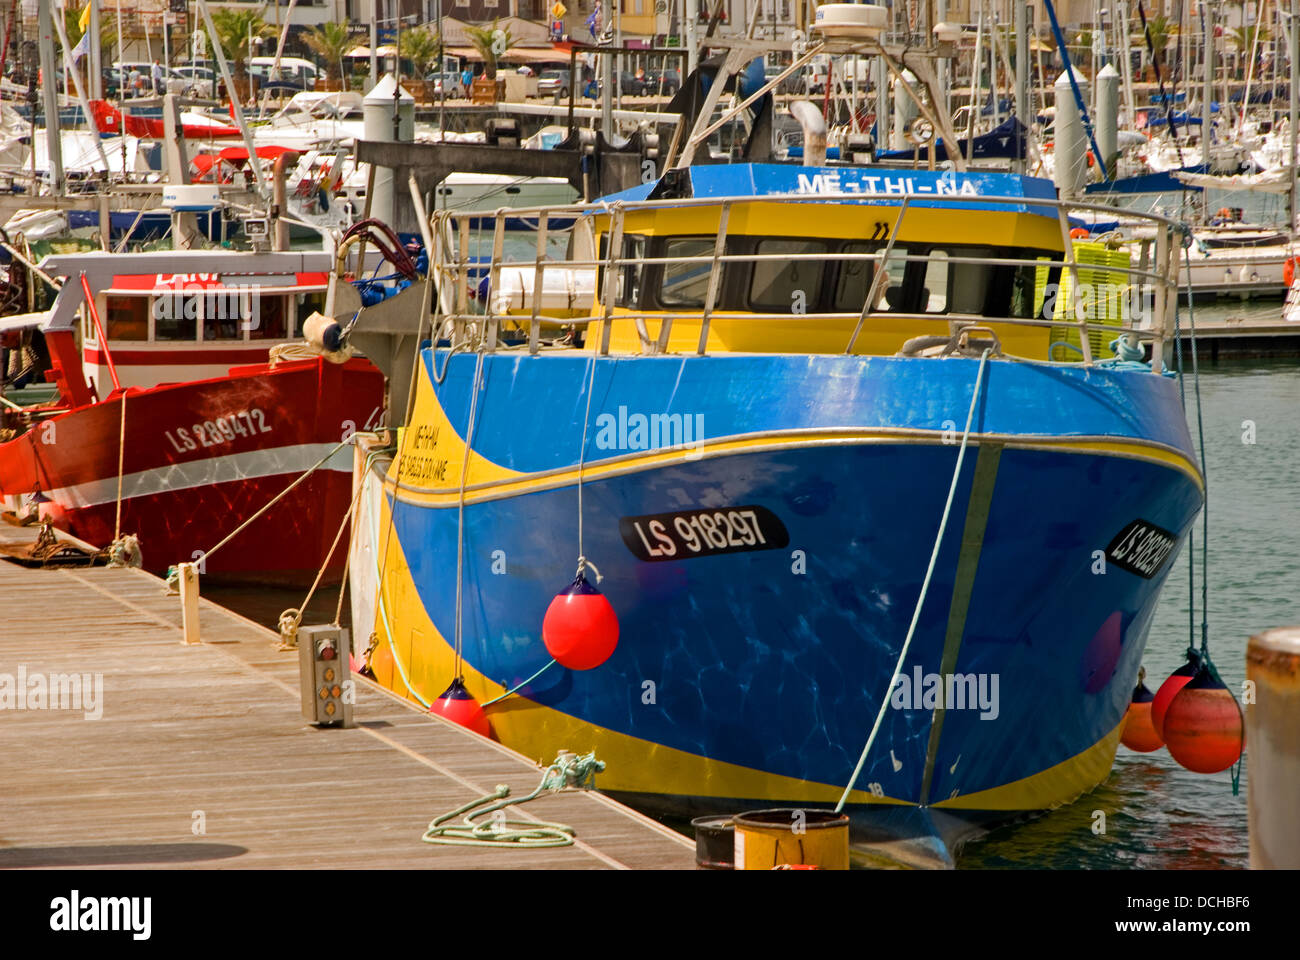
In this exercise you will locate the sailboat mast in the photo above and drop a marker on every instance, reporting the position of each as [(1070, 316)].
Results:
[(50, 90)]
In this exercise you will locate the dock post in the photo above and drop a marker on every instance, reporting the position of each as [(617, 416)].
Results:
[(189, 580), (1273, 739)]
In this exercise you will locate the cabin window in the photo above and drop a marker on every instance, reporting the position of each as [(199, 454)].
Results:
[(854, 281), (126, 318), (787, 285), (268, 319), (934, 289), (629, 281), (175, 317), (687, 284), (224, 313), (628, 291)]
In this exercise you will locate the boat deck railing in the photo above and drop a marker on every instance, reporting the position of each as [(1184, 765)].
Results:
[(458, 274)]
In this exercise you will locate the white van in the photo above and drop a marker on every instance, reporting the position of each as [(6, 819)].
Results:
[(293, 70)]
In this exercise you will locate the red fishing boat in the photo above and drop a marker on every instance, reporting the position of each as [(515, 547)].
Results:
[(174, 421)]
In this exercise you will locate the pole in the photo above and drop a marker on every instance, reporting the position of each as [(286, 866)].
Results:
[(692, 51), (374, 43), (96, 66), (50, 90), (1293, 53), (1023, 108)]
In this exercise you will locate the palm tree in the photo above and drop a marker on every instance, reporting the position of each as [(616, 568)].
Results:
[(422, 47), (330, 42), (1161, 30), (235, 28), (489, 46)]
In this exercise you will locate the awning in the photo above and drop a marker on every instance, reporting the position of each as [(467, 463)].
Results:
[(358, 52)]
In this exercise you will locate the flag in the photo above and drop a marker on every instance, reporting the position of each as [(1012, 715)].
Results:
[(84, 21), (593, 21), (82, 48)]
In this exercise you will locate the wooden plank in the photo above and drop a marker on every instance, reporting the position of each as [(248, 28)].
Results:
[(199, 756)]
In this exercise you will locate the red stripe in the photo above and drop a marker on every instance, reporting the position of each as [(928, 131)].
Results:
[(148, 358)]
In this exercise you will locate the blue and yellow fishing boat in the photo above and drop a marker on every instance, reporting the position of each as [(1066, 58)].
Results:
[(856, 463)]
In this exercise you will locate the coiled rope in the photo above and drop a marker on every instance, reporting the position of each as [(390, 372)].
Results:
[(925, 584), (567, 770)]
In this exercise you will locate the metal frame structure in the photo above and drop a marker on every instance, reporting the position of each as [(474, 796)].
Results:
[(453, 268)]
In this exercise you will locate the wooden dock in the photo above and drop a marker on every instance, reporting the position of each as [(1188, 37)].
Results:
[(1246, 337), (201, 757)]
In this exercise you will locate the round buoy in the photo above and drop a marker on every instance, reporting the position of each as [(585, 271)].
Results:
[(1168, 690), (580, 629), (459, 706), (1139, 732), (1079, 233), (1204, 728)]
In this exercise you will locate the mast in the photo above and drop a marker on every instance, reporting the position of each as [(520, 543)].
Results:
[(50, 90), (1294, 53), (1023, 107)]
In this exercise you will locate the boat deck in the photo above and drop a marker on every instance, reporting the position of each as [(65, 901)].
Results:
[(201, 757)]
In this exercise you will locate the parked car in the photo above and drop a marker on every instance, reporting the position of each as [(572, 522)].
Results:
[(201, 80), (792, 84), (552, 82), (666, 81), (449, 80), (629, 86), (294, 72)]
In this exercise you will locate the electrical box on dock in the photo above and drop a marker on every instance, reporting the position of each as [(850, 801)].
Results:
[(327, 684)]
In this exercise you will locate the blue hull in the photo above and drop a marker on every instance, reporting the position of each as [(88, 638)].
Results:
[(774, 659)]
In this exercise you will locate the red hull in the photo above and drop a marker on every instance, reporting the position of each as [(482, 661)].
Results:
[(200, 459)]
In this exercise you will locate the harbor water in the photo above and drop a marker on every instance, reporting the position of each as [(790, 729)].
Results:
[(1156, 815)]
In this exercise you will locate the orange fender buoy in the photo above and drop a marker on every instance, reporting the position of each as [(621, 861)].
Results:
[(1288, 270), (1139, 732), (459, 706), (1168, 690), (1204, 729), (1079, 233), (580, 629)]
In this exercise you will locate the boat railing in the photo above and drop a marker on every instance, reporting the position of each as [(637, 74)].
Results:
[(459, 275)]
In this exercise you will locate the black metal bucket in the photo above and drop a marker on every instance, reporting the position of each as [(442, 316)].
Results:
[(715, 843)]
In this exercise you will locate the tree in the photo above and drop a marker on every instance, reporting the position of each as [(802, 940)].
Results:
[(330, 42), (1161, 29), (235, 28), (491, 42), (422, 47)]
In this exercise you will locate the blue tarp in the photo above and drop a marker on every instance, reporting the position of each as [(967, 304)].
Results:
[(1006, 141)]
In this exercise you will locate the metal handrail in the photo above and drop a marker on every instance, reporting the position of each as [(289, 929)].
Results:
[(606, 291)]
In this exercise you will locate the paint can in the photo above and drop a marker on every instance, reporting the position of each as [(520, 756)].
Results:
[(766, 839), (714, 843)]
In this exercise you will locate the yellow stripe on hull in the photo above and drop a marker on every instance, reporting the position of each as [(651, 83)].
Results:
[(641, 766)]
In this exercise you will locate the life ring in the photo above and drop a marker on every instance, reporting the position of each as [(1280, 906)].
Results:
[(1092, 161)]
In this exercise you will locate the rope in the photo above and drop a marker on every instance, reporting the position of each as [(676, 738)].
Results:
[(121, 457), (460, 508), (925, 584), (583, 563), (278, 497), (291, 619), (1204, 653), (567, 770)]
